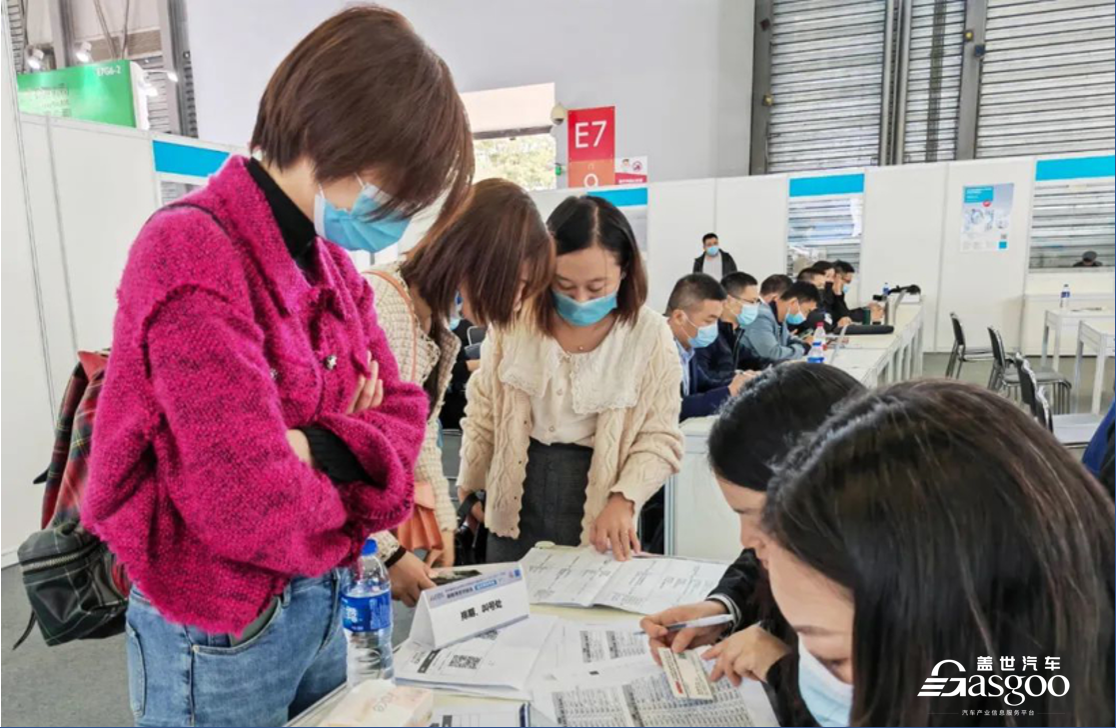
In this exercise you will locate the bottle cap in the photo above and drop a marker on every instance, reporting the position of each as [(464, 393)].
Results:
[(369, 548)]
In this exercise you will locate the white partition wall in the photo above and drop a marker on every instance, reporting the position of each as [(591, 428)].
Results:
[(106, 190), (751, 222), (678, 214), (902, 240), (55, 299), (27, 427), (73, 201), (985, 288)]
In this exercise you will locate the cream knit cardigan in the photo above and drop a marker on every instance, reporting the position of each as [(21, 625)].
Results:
[(633, 384), (417, 360)]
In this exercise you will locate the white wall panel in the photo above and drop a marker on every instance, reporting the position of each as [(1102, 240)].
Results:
[(678, 214), (49, 244), (751, 223), (106, 190), (985, 289), (902, 240), (27, 412)]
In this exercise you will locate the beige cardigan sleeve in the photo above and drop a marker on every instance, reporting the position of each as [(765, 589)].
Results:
[(428, 469), (656, 453), (478, 428)]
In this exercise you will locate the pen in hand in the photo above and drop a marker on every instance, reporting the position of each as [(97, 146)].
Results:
[(695, 623)]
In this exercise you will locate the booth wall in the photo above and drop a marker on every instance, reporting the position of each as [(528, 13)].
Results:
[(902, 239), (750, 219), (27, 426), (985, 289), (681, 80)]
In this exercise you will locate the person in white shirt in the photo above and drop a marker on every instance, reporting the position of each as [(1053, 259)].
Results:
[(572, 418), (714, 261)]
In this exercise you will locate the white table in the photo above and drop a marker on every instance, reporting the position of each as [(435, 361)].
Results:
[(1067, 320), (314, 715), (1098, 336), (697, 523)]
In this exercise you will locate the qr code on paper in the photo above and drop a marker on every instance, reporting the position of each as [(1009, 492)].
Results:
[(465, 662)]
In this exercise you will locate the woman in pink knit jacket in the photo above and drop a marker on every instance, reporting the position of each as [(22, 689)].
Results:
[(253, 429)]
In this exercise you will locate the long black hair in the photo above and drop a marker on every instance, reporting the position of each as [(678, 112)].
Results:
[(963, 530), (774, 411)]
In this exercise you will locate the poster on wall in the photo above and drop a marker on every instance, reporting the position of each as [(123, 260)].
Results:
[(986, 218), (631, 170), (591, 146)]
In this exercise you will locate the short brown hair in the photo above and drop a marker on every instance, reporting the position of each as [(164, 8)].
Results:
[(362, 91), (582, 222), (494, 240)]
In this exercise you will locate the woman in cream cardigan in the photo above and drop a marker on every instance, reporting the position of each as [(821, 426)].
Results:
[(572, 419), (492, 254)]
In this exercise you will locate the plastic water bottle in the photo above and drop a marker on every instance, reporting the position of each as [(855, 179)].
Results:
[(366, 617), (886, 290), (1065, 302), (817, 349)]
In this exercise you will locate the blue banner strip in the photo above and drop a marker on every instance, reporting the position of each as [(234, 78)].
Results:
[(834, 184), (187, 160), (1075, 168), (623, 197)]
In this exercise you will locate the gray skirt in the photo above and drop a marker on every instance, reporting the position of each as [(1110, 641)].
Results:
[(553, 503)]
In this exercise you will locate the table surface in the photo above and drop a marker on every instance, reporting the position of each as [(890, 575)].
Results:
[(442, 699), (1069, 315), (1100, 329)]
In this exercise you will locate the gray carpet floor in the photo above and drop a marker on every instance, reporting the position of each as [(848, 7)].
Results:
[(84, 683)]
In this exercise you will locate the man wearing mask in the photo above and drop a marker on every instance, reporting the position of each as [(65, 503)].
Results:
[(844, 273), (713, 261), (769, 336), (823, 314), (693, 310), (724, 357)]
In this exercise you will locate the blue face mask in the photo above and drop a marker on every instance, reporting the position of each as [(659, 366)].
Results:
[(794, 319), (705, 335), (844, 288), (355, 229), (455, 316), (828, 699), (588, 313), (747, 314), (713, 250)]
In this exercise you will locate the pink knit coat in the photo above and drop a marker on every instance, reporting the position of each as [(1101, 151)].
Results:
[(220, 346)]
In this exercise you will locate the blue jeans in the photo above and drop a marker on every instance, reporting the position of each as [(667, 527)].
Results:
[(182, 676)]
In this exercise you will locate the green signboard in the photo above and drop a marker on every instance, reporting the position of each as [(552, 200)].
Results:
[(94, 92)]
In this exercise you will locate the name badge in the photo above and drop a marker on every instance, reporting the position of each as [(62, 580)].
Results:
[(464, 609)]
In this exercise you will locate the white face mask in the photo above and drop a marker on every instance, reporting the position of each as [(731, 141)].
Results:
[(827, 697)]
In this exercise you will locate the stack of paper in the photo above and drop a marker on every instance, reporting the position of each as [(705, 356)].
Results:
[(649, 701), (585, 578), (497, 664)]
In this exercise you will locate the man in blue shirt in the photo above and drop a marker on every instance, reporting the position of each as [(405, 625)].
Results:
[(724, 357), (694, 307), (769, 336)]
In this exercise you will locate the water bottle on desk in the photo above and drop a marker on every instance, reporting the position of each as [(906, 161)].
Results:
[(366, 617), (817, 348), (1065, 301)]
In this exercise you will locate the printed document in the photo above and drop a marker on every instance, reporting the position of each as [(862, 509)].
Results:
[(500, 659), (585, 578)]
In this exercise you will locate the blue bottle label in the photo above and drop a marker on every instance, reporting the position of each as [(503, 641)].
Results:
[(366, 613)]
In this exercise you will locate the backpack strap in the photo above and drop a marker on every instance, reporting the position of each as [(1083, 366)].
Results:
[(27, 632), (212, 215), (410, 309)]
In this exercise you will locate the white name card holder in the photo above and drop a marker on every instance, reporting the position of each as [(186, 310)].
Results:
[(466, 608)]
